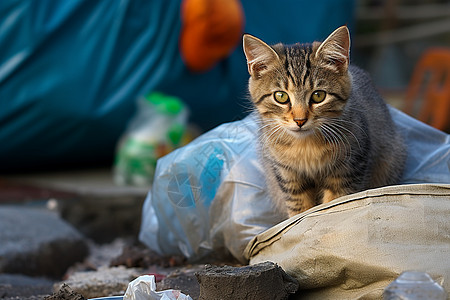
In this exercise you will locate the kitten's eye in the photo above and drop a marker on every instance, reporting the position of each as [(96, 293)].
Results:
[(318, 96), (281, 97)]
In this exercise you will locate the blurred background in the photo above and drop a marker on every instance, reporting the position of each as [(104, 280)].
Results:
[(392, 37), (71, 72)]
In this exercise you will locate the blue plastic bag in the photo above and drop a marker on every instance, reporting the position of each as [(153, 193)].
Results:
[(210, 196)]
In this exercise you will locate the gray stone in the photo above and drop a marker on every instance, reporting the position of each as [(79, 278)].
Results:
[(37, 242), (104, 217), (184, 280), (86, 198), (13, 286), (65, 293), (102, 282), (256, 282)]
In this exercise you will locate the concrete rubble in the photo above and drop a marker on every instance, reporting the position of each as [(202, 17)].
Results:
[(65, 293), (183, 279), (40, 249), (113, 281), (264, 281), (102, 282), (204, 282), (37, 242)]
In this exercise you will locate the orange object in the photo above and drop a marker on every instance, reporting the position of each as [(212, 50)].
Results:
[(428, 94), (211, 29)]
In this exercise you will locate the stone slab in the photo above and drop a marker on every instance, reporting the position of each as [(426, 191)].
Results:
[(264, 281), (15, 286), (103, 282), (37, 242)]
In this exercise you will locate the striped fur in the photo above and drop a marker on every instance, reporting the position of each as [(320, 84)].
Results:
[(315, 152)]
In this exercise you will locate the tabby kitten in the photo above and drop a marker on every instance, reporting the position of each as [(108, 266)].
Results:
[(324, 130)]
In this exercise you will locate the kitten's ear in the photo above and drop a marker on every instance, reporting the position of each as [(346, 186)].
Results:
[(260, 56), (335, 50)]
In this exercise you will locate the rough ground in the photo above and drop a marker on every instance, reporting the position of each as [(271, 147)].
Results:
[(106, 272), (50, 221), (80, 229)]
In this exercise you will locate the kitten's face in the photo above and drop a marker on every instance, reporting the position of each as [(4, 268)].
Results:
[(299, 88)]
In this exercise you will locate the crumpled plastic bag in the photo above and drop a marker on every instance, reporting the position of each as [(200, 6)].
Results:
[(144, 288), (209, 197)]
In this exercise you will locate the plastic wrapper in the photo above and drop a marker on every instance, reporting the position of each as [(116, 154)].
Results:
[(157, 129), (197, 195), (144, 288), (209, 197), (414, 285)]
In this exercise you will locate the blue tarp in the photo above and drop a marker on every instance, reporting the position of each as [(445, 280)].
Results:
[(70, 71)]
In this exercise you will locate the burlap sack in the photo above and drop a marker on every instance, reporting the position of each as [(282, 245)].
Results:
[(354, 246)]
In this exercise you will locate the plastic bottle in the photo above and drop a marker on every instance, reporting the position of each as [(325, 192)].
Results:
[(158, 128), (414, 285)]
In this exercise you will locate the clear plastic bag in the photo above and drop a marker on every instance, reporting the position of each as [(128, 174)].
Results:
[(210, 196), (144, 288), (157, 128)]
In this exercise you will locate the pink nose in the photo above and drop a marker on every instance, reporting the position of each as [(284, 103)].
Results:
[(300, 122)]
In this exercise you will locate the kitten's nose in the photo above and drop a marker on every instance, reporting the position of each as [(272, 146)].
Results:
[(300, 122)]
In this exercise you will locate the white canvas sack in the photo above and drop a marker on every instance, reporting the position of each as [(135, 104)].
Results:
[(354, 246)]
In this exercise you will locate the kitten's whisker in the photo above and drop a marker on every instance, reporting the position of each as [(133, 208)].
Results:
[(351, 123), (267, 136), (282, 136), (325, 134), (340, 139), (348, 130), (272, 132), (247, 106), (331, 139)]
